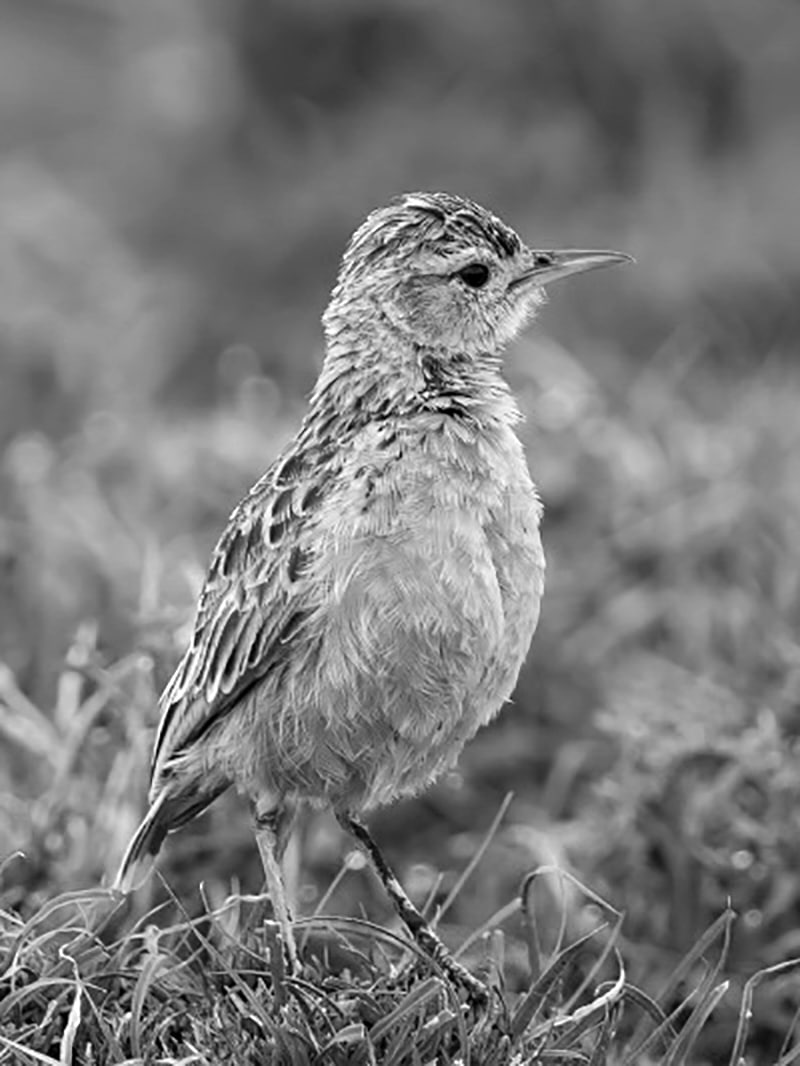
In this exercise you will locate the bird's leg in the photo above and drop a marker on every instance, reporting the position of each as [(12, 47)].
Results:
[(271, 832), (408, 913)]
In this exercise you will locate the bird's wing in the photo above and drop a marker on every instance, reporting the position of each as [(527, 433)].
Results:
[(251, 604)]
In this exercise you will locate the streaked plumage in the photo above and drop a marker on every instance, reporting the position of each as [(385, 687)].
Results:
[(371, 600)]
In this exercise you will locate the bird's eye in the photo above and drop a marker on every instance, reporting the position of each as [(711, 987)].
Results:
[(474, 274)]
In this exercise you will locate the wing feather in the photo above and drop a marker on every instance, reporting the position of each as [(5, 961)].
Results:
[(251, 604)]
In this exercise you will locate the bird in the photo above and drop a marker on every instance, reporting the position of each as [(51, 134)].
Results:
[(371, 600)]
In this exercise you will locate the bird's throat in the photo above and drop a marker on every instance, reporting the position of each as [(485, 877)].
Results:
[(384, 374)]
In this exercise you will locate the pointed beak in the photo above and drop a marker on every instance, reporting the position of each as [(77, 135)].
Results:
[(552, 266)]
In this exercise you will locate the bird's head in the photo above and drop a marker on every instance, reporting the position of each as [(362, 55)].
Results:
[(447, 274)]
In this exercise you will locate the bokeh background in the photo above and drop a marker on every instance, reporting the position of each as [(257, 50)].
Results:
[(177, 182)]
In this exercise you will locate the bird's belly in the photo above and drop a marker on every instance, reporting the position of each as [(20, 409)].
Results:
[(416, 643)]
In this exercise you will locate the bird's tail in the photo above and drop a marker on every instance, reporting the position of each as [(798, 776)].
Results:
[(169, 810), (144, 846)]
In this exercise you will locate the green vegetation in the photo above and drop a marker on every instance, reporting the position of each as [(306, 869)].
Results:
[(176, 185), (214, 990)]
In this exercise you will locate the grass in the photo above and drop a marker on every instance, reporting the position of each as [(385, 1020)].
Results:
[(214, 989)]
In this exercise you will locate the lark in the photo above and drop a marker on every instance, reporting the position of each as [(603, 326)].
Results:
[(371, 600)]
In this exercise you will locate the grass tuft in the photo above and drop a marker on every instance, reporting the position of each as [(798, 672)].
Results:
[(214, 989)]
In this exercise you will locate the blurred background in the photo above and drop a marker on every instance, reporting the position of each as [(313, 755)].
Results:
[(177, 182)]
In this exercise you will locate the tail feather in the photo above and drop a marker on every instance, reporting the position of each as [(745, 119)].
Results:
[(145, 844), (168, 811)]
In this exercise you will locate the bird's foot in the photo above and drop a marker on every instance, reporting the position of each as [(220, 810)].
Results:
[(477, 993), (282, 947)]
